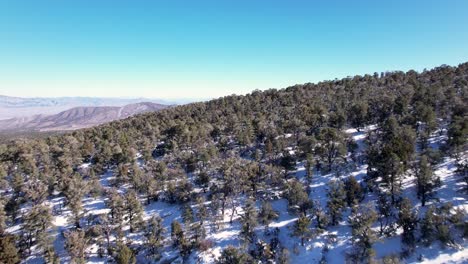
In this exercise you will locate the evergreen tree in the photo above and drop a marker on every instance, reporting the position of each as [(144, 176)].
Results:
[(267, 214), (203, 179), (332, 146), (386, 216), (284, 256), (363, 237), (3, 218), (336, 200), (296, 196), (202, 212), (125, 255), (354, 193), (134, 211), (321, 217), (187, 215), (76, 244), (232, 255), (35, 226), (425, 180), (249, 222), (302, 228), (116, 204), (177, 233), (154, 235), (8, 252), (407, 219)]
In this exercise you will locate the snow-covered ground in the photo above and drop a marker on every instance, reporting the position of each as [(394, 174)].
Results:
[(335, 239)]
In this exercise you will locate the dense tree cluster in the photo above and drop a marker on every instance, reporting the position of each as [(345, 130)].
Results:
[(234, 155)]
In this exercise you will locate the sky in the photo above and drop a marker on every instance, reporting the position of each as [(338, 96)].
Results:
[(205, 49)]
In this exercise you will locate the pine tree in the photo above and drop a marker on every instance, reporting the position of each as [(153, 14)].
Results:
[(187, 215), (363, 237), (321, 217), (301, 228), (428, 225), (425, 180), (284, 256), (232, 255), (392, 172), (8, 252), (125, 255), (267, 214), (203, 179), (134, 211), (74, 191), (35, 226), (332, 146), (407, 219), (154, 235), (249, 222), (354, 193), (177, 233), (336, 200), (116, 204), (76, 244), (296, 196), (3, 218), (386, 215), (202, 210)]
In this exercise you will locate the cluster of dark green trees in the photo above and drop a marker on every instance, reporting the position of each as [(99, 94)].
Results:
[(209, 156)]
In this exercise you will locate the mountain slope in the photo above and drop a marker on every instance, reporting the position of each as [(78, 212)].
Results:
[(11, 107), (367, 169), (78, 117)]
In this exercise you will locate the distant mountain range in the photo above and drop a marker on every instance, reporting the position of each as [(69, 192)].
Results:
[(74, 118), (13, 107)]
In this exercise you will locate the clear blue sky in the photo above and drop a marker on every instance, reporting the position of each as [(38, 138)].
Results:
[(201, 49)]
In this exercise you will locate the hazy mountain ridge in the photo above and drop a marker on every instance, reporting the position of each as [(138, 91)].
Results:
[(77, 117), (15, 107)]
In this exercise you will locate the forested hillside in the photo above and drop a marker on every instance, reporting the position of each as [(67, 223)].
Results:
[(364, 169)]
